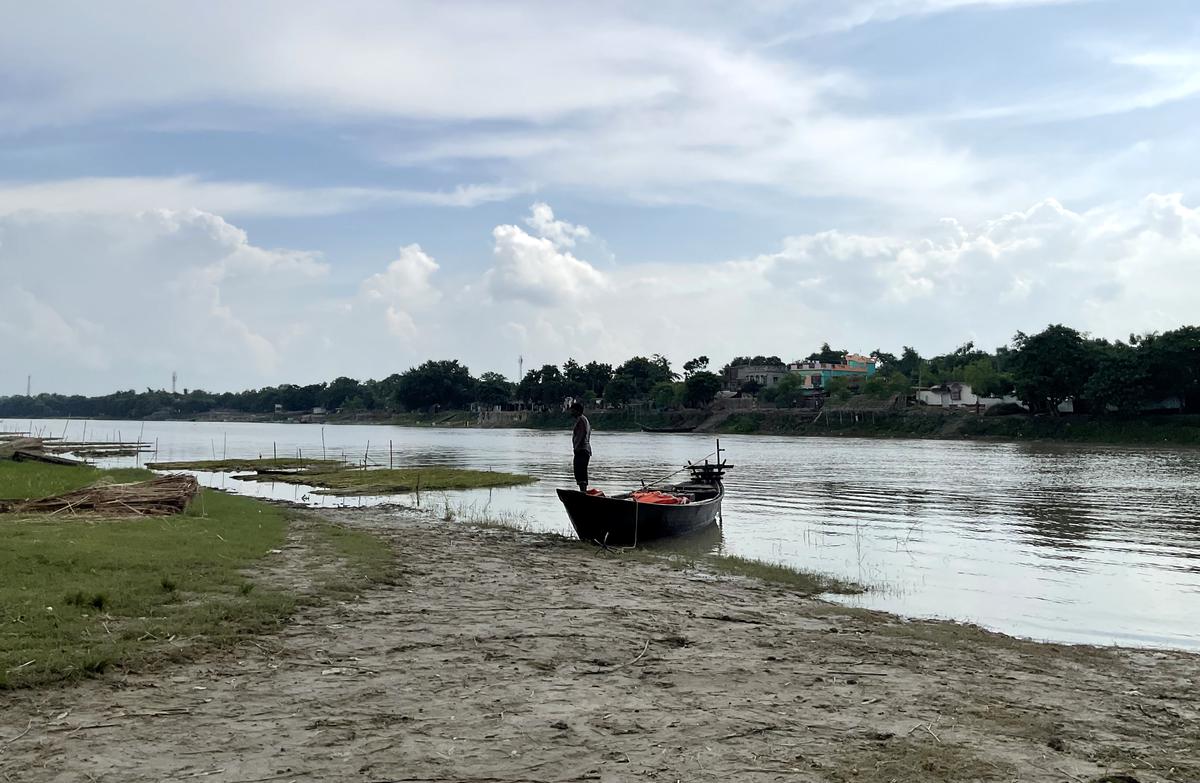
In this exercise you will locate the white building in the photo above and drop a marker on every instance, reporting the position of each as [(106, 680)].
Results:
[(960, 395)]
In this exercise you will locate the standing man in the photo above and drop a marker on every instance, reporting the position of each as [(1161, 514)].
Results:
[(581, 441)]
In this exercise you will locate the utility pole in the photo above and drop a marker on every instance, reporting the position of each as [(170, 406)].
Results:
[(520, 367), (174, 377)]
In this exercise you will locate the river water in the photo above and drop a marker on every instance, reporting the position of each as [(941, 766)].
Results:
[(1096, 544)]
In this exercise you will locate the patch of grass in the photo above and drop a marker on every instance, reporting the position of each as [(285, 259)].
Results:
[(366, 559), (82, 594), (798, 579), (23, 480), (230, 465), (388, 481)]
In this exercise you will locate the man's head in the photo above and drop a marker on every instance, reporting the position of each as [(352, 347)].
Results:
[(577, 408)]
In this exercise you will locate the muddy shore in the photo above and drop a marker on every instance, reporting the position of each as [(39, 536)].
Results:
[(505, 656)]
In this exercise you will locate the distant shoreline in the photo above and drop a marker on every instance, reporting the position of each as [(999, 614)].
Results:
[(912, 423)]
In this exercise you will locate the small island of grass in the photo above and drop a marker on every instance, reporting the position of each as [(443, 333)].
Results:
[(338, 478), (232, 465)]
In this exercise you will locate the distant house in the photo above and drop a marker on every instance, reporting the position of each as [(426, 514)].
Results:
[(955, 394), (816, 375), (762, 374)]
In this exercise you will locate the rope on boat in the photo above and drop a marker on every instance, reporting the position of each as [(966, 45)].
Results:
[(670, 475)]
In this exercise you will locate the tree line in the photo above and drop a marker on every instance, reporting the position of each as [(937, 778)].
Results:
[(1042, 370)]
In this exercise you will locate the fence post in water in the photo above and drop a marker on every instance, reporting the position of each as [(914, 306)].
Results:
[(274, 452), (366, 453), (389, 455), (322, 441)]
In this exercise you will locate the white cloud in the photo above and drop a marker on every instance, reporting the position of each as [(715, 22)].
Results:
[(128, 298), (536, 270), (153, 292), (407, 280), (406, 286), (118, 195), (587, 97), (560, 232)]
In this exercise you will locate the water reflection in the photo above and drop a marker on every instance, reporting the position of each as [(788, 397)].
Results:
[(1063, 542)]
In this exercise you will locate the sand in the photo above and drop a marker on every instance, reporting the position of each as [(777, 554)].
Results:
[(507, 656)]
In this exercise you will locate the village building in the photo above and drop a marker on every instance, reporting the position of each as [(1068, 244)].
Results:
[(955, 394), (763, 374), (816, 375)]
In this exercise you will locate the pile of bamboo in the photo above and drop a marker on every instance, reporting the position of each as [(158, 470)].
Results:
[(159, 496)]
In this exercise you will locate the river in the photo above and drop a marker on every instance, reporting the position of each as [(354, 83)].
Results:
[(1092, 544)]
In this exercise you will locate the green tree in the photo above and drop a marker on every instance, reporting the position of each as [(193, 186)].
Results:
[(643, 374), (838, 388), (492, 389), (787, 393), (751, 387), (337, 393), (985, 380), (693, 366), (884, 361), (446, 383), (586, 380), (827, 355), (1172, 364), (1051, 366), (910, 363), (620, 390), (702, 387), (1120, 380), (663, 395)]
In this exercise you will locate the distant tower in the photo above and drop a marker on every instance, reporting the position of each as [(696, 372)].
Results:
[(28, 385), (174, 377), (520, 367)]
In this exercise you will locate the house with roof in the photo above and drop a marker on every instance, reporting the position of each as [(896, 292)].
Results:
[(856, 369)]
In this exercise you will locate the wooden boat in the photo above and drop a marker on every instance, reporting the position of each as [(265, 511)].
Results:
[(620, 520), (667, 429)]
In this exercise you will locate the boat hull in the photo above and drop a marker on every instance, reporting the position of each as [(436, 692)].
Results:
[(617, 522)]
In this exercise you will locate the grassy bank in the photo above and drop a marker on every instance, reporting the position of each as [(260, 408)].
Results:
[(232, 465), (82, 594)]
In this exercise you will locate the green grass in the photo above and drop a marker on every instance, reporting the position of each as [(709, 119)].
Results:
[(386, 481), (80, 594), (230, 465), (807, 582), (369, 559), (22, 480)]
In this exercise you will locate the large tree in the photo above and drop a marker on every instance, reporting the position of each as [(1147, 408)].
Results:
[(702, 387), (827, 355), (446, 383), (1051, 367), (492, 388), (643, 374), (1172, 363)]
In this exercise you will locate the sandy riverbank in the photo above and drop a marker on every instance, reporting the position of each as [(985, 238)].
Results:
[(502, 656)]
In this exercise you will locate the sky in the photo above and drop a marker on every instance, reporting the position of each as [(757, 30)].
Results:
[(257, 193)]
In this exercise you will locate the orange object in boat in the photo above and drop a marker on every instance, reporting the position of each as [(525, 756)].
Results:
[(595, 493), (660, 498)]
